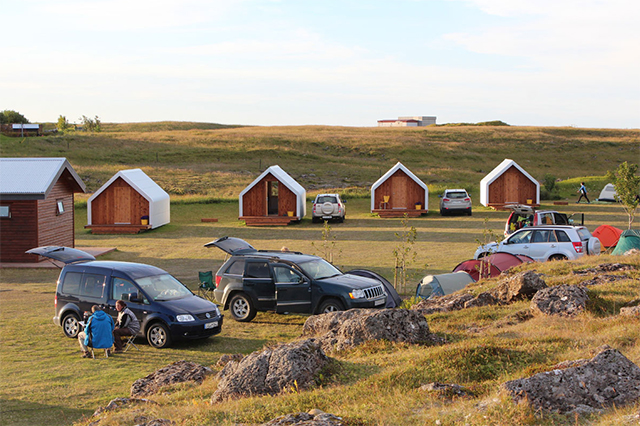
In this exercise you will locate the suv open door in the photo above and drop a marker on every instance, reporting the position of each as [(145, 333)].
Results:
[(232, 245), (65, 255)]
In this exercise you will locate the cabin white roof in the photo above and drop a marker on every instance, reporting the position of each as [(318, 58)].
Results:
[(139, 181), (33, 178), (496, 173), (384, 177), (287, 181)]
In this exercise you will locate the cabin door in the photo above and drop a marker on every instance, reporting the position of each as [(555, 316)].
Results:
[(399, 192), (272, 198), (122, 205)]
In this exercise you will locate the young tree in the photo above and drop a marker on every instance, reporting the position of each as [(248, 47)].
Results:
[(404, 254), (63, 124), (328, 244), (91, 125), (627, 184)]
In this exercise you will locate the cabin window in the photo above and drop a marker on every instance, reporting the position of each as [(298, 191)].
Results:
[(5, 212), (59, 207)]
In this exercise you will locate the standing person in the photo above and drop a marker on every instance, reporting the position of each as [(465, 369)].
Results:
[(583, 193), (126, 325), (97, 332)]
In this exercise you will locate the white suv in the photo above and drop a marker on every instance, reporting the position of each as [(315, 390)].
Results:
[(542, 243), (327, 207)]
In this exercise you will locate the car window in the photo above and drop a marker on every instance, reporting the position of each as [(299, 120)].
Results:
[(546, 219), (318, 269), (523, 237), (257, 270), (93, 285), (456, 194), (584, 234), (540, 236), (121, 286), (71, 283), (326, 199), (561, 219), (562, 237), (282, 274), (163, 287), (552, 237), (236, 267)]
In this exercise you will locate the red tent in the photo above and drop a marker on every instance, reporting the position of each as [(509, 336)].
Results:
[(478, 269), (504, 260), (608, 235)]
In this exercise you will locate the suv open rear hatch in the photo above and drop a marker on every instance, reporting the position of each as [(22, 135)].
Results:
[(65, 255), (232, 245)]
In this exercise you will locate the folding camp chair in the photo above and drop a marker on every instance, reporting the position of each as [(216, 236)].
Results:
[(107, 352), (205, 290), (129, 342)]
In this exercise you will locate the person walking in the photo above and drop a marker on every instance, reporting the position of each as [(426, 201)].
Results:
[(126, 325), (583, 193)]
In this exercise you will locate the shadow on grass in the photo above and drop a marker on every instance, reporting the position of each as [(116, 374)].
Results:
[(24, 413)]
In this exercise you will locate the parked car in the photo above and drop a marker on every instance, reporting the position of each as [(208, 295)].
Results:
[(523, 215), (251, 281), (327, 207), (542, 243), (455, 201), (167, 310)]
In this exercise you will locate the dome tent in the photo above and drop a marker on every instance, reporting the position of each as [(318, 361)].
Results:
[(630, 239), (608, 235), (608, 193), (440, 285)]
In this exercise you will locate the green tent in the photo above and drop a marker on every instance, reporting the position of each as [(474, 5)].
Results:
[(629, 239)]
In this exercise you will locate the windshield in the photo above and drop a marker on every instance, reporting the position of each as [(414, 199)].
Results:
[(456, 194), (318, 269), (163, 287)]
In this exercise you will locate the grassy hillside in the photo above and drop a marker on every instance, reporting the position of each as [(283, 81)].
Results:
[(217, 163)]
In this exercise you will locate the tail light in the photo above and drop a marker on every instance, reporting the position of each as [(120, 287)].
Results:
[(578, 247), (467, 199), (446, 200), (218, 279), (55, 301)]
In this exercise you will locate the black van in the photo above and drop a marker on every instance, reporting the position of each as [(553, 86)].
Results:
[(167, 310)]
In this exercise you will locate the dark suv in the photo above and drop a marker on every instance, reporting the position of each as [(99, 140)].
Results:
[(251, 281), (166, 309)]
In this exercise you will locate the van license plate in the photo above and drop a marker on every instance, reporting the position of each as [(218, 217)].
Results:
[(379, 302), (211, 324)]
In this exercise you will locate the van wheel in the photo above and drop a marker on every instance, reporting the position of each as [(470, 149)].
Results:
[(241, 308), (71, 325), (331, 305), (558, 257), (158, 336)]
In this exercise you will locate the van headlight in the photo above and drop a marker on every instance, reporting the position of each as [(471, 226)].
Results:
[(356, 294), (185, 318)]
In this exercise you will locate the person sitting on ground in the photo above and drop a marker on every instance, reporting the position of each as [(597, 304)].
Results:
[(126, 325), (98, 332)]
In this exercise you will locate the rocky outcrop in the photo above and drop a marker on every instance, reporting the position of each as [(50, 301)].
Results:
[(341, 330), (271, 371), (178, 372), (521, 286), (448, 303), (632, 311), (314, 417), (606, 380), (118, 403), (563, 300), (606, 267)]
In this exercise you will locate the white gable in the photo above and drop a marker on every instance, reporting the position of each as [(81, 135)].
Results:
[(383, 178), (159, 200), (286, 180), (496, 173), (33, 178)]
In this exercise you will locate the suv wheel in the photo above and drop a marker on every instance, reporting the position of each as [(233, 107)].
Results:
[(331, 305), (241, 308), (158, 335), (558, 257), (71, 325)]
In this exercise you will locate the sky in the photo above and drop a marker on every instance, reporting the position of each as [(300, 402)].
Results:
[(323, 62)]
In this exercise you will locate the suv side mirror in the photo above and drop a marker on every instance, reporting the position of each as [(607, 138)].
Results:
[(132, 297)]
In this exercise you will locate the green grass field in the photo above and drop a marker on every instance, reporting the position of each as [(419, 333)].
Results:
[(44, 380)]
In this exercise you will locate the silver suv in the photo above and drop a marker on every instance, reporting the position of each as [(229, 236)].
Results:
[(455, 200), (327, 207), (542, 243)]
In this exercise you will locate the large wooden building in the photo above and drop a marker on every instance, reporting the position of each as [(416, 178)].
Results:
[(273, 198), (130, 202), (36, 206), (507, 184), (399, 192)]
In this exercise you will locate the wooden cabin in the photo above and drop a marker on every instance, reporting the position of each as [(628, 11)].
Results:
[(129, 203), (274, 198), (36, 206), (507, 184), (399, 192)]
